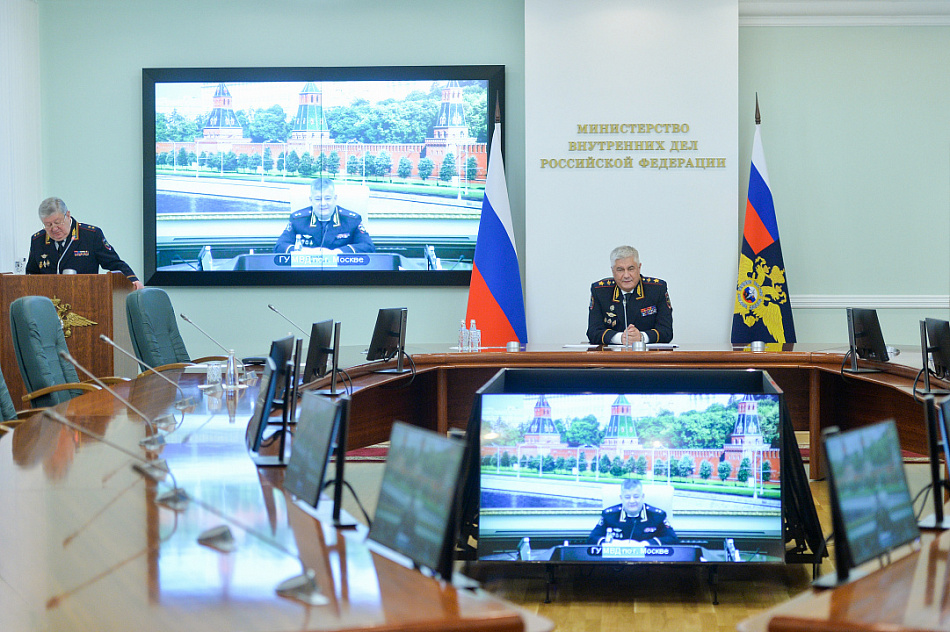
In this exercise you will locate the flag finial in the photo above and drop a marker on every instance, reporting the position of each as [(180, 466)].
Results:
[(758, 119), (497, 108)]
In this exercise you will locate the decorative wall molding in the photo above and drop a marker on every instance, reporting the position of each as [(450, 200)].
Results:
[(844, 13), (870, 301)]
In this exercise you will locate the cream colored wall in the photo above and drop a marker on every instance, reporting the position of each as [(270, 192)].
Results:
[(92, 55), (855, 128)]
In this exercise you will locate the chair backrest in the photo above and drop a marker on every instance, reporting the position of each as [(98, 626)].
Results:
[(153, 328), (37, 334), (7, 409)]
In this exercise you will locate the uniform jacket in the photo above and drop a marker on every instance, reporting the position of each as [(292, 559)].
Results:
[(651, 525), (344, 230), (85, 251), (647, 306)]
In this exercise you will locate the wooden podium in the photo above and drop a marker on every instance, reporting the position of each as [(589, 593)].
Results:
[(80, 298)]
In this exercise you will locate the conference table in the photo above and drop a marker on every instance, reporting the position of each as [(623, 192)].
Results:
[(911, 594), (84, 544), (439, 391), (91, 538)]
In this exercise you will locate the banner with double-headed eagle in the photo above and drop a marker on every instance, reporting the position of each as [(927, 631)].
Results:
[(762, 309)]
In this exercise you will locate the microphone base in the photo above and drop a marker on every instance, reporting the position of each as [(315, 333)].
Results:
[(302, 588), (218, 538)]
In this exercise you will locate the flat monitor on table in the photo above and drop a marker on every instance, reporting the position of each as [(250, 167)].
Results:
[(871, 509), (557, 450), (938, 345), (418, 498), (321, 428), (272, 390), (265, 399), (282, 352), (937, 425), (319, 351), (865, 339), (389, 338)]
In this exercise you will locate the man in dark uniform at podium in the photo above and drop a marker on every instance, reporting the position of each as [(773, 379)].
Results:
[(629, 308), (65, 244), (633, 520), (324, 227)]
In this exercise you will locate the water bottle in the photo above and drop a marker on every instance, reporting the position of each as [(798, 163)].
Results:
[(463, 337), (473, 337), (298, 245), (231, 377), (524, 549)]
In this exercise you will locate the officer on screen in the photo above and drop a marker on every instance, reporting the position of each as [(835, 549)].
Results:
[(324, 227), (633, 520)]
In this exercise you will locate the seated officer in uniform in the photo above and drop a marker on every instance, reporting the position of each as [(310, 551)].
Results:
[(633, 521), (324, 227), (628, 307), (65, 244)]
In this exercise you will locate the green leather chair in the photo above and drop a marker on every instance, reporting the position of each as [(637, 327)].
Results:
[(7, 409), (37, 335), (153, 328)]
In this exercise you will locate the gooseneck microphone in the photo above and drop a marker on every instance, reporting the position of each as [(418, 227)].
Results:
[(206, 334), (184, 402), (149, 443), (276, 311)]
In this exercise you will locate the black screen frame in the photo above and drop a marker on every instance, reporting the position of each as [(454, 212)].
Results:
[(440, 561), (318, 428), (847, 556), (799, 516), (319, 351), (938, 345), (388, 334), (493, 74), (864, 324), (257, 424)]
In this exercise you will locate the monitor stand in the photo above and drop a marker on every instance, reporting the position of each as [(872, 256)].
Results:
[(399, 368)]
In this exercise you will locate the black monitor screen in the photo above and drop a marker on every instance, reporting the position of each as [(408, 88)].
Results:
[(864, 332), (230, 155), (938, 341), (262, 407), (321, 339), (414, 515), (317, 426), (869, 491), (624, 476), (388, 333), (281, 352)]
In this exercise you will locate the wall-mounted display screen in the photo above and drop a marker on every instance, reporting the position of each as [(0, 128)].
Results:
[(632, 475), (356, 175)]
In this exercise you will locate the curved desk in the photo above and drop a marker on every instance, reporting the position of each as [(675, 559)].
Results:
[(439, 395), (84, 545)]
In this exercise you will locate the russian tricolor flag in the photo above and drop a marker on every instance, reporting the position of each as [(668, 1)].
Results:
[(495, 298), (763, 310)]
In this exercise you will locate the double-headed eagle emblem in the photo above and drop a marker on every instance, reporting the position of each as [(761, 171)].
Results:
[(70, 318), (760, 295)]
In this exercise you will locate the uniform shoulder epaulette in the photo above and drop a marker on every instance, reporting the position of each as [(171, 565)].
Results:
[(304, 212), (38, 234), (347, 212), (608, 282), (653, 280), (613, 509), (81, 226)]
